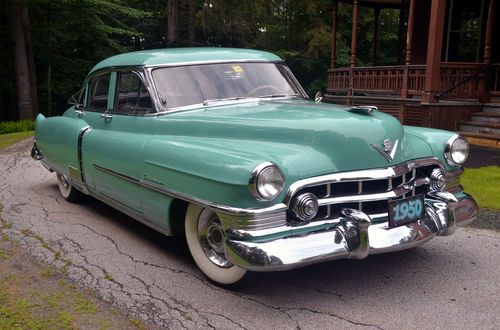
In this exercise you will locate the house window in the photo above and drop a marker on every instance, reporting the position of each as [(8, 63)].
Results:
[(465, 26)]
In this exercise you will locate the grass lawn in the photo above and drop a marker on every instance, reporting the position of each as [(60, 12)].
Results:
[(484, 185), (11, 138)]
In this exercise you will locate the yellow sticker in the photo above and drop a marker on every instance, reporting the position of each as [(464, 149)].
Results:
[(237, 69)]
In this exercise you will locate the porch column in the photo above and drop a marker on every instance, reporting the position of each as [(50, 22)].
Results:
[(333, 59), (409, 47), (354, 36), (489, 33), (376, 13), (409, 33), (354, 39), (434, 47)]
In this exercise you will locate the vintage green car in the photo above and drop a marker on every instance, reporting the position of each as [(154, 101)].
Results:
[(224, 145)]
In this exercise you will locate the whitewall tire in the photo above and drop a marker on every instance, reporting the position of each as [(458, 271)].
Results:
[(67, 191), (205, 238)]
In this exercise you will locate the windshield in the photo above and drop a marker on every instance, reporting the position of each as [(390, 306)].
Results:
[(203, 84)]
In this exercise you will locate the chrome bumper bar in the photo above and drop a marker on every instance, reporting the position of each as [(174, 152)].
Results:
[(354, 237)]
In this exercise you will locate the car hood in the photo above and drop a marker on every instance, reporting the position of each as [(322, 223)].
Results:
[(304, 138)]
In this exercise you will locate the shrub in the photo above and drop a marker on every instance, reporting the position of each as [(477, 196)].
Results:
[(16, 126)]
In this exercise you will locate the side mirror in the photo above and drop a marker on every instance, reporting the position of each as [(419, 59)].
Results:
[(318, 97)]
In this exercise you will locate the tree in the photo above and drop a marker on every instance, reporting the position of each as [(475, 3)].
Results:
[(16, 10), (173, 22)]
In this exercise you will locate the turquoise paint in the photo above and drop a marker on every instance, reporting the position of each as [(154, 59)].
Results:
[(436, 139), (57, 137), (209, 152), (173, 56)]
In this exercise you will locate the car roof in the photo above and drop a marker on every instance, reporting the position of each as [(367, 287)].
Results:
[(173, 56)]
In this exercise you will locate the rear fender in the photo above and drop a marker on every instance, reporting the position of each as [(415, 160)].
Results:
[(59, 140)]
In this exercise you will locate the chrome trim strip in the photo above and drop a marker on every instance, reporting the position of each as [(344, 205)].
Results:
[(80, 140), (235, 211), (361, 175), (403, 189), (170, 65), (131, 213)]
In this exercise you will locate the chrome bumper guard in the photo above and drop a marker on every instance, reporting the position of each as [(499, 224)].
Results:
[(354, 237)]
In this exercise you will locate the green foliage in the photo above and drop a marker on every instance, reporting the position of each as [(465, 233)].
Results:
[(11, 138), (16, 126), (484, 184), (71, 36)]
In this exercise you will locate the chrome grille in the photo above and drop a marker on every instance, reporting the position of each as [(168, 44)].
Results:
[(367, 190)]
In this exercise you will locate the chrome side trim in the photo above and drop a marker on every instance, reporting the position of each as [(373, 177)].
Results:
[(80, 140), (362, 175), (229, 210)]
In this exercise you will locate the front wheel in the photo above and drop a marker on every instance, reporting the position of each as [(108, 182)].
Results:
[(205, 238), (67, 191)]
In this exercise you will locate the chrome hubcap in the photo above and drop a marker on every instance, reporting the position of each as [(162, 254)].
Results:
[(64, 181), (211, 237)]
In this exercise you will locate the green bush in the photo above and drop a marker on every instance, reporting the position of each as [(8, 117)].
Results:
[(16, 126)]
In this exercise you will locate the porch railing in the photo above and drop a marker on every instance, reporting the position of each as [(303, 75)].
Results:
[(458, 80), (495, 80)]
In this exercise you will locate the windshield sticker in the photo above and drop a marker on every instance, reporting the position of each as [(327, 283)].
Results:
[(236, 72), (237, 69)]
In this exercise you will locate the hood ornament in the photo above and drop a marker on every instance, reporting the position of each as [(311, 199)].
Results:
[(388, 149)]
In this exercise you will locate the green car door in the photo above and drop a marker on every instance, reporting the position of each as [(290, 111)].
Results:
[(118, 109)]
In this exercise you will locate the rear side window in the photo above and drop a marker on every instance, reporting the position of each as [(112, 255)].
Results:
[(133, 97), (99, 88)]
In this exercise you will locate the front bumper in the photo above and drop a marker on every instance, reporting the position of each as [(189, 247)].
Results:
[(353, 237)]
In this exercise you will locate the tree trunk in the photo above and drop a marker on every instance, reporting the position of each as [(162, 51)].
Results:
[(31, 60), (172, 22), (192, 22), (23, 86)]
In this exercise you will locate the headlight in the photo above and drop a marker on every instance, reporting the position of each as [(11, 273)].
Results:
[(456, 150), (266, 181)]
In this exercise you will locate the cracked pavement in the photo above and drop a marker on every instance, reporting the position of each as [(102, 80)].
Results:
[(450, 282)]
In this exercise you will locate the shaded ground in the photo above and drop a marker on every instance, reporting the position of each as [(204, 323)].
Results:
[(483, 156), (448, 283)]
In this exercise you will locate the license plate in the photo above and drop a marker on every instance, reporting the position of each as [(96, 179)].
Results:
[(403, 211)]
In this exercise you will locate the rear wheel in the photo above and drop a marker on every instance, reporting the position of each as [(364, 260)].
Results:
[(205, 237), (68, 192)]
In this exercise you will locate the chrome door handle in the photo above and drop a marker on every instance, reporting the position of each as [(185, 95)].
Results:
[(79, 113), (107, 116)]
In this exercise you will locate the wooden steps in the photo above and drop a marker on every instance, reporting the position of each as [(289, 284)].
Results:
[(483, 128), (487, 140)]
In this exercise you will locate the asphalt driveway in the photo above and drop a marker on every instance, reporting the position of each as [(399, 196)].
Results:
[(449, 283)]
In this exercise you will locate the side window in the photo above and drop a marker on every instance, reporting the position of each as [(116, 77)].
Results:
[(132, 97), (98, 96)]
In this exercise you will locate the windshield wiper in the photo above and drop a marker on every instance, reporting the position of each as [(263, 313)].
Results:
[(277, 95), (206, 102)]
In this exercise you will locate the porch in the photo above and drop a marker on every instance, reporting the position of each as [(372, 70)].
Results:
[(438, 84)]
